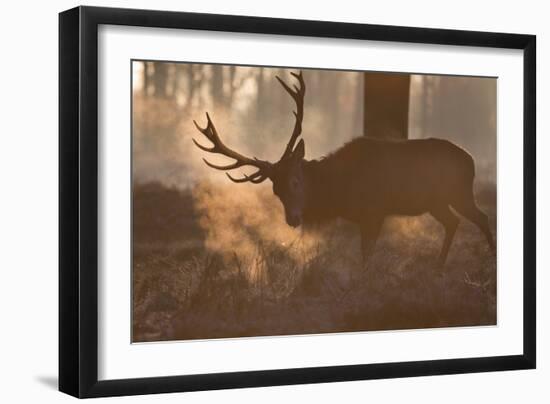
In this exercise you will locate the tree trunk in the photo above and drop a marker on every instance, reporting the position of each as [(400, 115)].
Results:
[(386, 105), (216, 89), (260, 84), (160, 77), (145, 78)]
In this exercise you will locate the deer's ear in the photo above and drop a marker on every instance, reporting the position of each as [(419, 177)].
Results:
[(300, 151)]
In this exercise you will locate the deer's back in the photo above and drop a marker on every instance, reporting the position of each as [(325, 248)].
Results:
[(398, 176)]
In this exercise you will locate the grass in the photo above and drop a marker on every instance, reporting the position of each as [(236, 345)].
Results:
[(189, 285)]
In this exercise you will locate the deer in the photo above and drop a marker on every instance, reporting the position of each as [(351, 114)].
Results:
[(364, 181)]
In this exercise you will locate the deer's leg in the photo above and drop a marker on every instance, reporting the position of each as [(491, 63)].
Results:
[(449, 220), (471, 211), (369, 234)]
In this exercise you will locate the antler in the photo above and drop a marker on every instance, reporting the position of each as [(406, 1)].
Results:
[(264, 167), (219, 148), (297, 95)]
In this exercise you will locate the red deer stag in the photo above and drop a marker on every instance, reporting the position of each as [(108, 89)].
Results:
[(365, 180)]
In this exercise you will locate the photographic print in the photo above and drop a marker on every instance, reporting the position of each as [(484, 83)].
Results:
[(274, 201)]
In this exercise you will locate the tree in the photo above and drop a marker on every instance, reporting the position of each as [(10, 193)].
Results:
[(386, 105), (160, 77), (146, 75), (216, 86)]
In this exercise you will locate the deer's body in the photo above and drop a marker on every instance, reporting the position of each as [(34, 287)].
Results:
[(382, 177), (369, 179), (366, 180)]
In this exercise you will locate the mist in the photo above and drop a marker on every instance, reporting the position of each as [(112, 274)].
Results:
[(254, 116)]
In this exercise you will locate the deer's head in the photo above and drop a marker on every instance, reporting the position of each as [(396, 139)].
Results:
[(287, 174)]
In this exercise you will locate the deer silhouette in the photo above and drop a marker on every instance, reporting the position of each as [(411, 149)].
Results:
[(364, 181)]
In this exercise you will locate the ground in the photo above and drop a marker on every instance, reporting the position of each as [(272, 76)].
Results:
[(210, 262)]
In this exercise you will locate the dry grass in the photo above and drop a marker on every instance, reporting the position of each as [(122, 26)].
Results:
[(186, 287)]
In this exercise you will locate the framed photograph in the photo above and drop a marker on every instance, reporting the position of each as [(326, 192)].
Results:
[(251, 201)]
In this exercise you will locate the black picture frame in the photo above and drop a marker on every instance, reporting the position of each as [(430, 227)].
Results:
[(78, 201)]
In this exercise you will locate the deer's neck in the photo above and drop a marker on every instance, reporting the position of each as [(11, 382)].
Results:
[(320, 189)]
